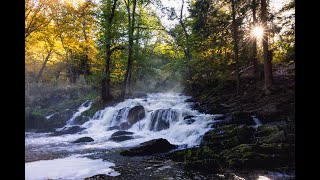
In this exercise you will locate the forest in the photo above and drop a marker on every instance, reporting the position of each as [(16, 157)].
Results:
[(166, 75)]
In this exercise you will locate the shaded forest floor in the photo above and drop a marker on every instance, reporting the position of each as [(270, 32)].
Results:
[(218, 97)]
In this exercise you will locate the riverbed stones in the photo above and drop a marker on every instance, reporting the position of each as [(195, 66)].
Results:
[(71, 130), (120, 136), (83, 139), (136, 114), (154, 146)]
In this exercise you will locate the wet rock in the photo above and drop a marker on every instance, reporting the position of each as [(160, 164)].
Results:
[(136, 114), (160, 119), (273, 138), (71, 130), (222, 117), (188, 117), (200, 159), (83, 139), (259, 156), (98, 177), (35, 121), (45, 130), (189, 121), (227, 137), (150, 147), (118, 116), (80, 120), (242, 118), (124, 126), (266, 130), (121, 133), (113, 128), (196, 105), (59, 119), (120, 138)]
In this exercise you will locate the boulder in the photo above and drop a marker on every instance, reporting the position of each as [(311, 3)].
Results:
[(189, 121), (160, 119), (71, 130), (242, 118), (83, 139), (150, 147), (227, 137), (124, 126), (259, 156), (136, 114), (120, 138), (80, 120), (113, 128), (119, 115), (35, 121), (59, 119), (121, 133)]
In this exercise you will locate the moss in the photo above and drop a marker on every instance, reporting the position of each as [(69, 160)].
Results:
[(96, 106), (266, 130), (227, 137)]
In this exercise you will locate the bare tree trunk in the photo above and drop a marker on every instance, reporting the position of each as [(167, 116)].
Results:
[(254, 46), (126, 89), (43, 66), (235, 45), (267, 62)]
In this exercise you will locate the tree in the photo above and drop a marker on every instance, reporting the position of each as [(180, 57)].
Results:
[(266, 57), (35, 17), (254, 46), (235, 44), (108, 14), (131, 28)]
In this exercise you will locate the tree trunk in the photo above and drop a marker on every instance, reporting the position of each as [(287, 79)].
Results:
[(43, 66), (85, 71), (105, 82), (267, 63), (187, 51), (235, 45), (254, 46), (126, 89)]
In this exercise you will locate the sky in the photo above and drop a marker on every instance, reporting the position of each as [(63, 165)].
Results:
[(274, 4)]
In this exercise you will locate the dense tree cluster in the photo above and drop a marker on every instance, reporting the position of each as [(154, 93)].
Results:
[(122, 45)]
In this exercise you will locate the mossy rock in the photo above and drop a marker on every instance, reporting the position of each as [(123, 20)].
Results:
[(227, 137), (35, 120), (96, 106), (266, 156), (278, 137), (266, 130), (201, 159), (81, 120)]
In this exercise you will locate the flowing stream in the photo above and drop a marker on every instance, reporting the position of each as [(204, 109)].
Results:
[(167, 115)]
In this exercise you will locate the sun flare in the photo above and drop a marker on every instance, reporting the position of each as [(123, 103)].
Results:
[(257, 32)]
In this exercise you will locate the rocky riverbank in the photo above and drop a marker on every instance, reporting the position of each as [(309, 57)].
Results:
[(255, 130)]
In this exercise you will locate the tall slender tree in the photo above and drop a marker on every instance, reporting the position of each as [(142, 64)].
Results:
[(266, 58), (131, 28), (235, 44), (108, 15), (254, 46)]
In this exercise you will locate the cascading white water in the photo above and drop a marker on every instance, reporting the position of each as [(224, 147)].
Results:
[(167, 116), (84, 106), (164, 118)]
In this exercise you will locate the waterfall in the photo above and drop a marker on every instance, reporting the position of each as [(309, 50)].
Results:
[(84, 106)]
